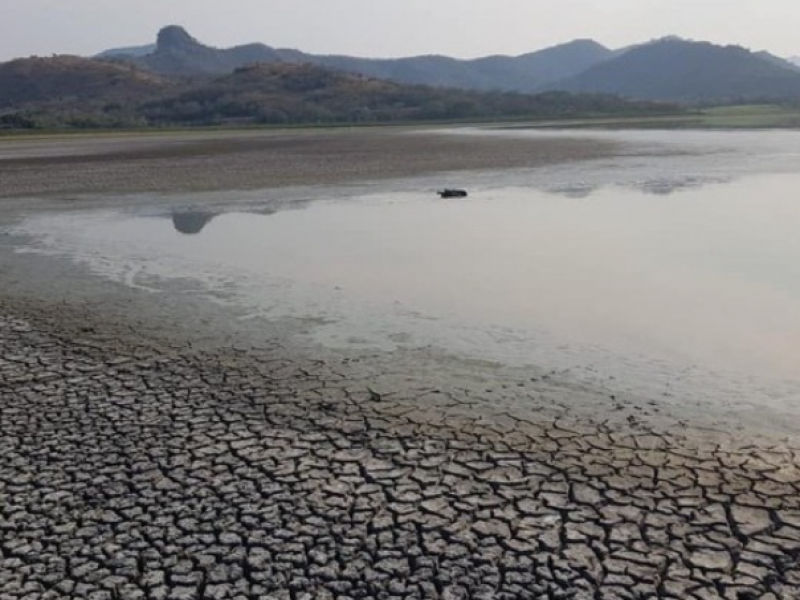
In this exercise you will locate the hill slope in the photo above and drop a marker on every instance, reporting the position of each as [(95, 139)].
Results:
[(684, 71), (127, 51), (786, 63), (73, 80)]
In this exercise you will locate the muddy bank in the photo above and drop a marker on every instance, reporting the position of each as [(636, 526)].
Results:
[(193, 162)]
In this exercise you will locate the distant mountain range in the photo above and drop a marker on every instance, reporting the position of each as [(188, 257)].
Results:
[(670, 69), (178, 53)]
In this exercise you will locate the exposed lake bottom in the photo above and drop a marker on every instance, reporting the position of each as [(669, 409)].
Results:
[(576, 382)]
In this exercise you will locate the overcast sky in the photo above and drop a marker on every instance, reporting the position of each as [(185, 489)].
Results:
[(465, 28)]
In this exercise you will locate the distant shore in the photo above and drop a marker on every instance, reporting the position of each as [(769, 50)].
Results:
[(228, 160)]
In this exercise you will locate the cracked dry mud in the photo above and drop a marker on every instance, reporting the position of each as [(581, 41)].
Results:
[(175, 475)]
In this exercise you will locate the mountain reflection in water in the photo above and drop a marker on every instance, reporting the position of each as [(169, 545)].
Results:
[(193, 222)]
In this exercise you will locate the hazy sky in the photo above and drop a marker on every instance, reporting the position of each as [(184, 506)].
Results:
[(465, 28)]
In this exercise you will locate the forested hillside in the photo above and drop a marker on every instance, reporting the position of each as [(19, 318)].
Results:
[(68, 92)]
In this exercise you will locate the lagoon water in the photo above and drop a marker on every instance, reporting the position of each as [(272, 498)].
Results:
[(674, 268)]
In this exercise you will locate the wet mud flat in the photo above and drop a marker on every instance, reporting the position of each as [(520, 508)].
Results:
[(134, 469), (191, 162)]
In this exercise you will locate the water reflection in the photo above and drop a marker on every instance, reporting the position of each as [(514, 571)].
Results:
[(191, 222), (577, 192), (194, 221), (655, 187), (667, 187)]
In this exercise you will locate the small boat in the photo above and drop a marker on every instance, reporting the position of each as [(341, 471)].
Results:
[(452, 193)]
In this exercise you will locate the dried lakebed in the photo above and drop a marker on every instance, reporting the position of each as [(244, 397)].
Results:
[(134, 464), (138, 473)]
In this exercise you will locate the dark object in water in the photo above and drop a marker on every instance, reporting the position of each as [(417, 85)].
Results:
[(451, 193)]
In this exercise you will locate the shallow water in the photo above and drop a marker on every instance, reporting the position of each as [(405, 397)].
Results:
[(660, 272)]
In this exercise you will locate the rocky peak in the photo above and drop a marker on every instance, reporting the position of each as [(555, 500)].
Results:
[(175, 37)]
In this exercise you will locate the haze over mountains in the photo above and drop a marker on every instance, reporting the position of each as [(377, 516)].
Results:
[(682, 71), (178, 53), (670, 69)]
